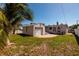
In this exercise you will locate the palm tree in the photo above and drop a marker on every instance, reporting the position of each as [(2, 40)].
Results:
[(11, 15)]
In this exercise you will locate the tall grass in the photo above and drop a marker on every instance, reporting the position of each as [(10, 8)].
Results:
[(26, 41), (60, 45), (63, 40)]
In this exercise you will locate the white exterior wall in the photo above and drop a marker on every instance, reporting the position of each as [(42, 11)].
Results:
[(34, 29), (48, 29), (28, 30), (18, 31), (41, 28), (77, 32), (62, 29)]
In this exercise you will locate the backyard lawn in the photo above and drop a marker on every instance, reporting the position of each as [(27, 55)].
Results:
[(32, 46)]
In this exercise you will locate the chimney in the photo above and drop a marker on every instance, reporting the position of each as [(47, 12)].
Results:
[(57, 23)]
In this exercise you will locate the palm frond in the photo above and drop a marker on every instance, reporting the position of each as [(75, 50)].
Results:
[(3, 18)]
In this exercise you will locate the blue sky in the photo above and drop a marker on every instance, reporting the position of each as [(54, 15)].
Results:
[(50, 13)]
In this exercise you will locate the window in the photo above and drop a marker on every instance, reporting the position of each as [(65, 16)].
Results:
[(58, 27), (50, 28)]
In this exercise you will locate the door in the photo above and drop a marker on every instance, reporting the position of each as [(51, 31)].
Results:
[(38, 32)]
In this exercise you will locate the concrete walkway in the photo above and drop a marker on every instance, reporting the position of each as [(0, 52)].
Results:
[(46, 36), (68, 33)]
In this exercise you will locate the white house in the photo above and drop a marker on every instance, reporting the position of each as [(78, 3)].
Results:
[(34, 29), (20, 30), (77, 31)]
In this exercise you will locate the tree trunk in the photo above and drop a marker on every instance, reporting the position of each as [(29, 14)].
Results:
[(13, 30), (8, 41)]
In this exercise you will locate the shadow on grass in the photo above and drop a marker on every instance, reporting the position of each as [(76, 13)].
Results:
[(21, 34), (77, 38)]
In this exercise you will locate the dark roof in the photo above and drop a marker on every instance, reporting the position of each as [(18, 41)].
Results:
[(65, 25)]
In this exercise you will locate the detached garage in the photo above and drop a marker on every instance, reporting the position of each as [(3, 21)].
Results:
[(34, 29), (38, 31)]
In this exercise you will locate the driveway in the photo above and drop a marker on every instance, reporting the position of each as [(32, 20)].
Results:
[(46, 36)]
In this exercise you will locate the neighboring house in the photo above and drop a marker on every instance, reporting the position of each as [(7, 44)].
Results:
[(77, 31), (70, 30), (34, 29), (19, 30), (57, 29)]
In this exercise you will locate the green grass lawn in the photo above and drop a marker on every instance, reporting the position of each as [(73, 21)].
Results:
[(60, 45)]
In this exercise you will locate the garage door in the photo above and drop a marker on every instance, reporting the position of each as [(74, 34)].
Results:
[(38, 31)]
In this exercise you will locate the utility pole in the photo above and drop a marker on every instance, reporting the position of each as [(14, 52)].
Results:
[(77, 22)]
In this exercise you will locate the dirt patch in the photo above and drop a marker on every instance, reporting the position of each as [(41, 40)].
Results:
[(40, 50)]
